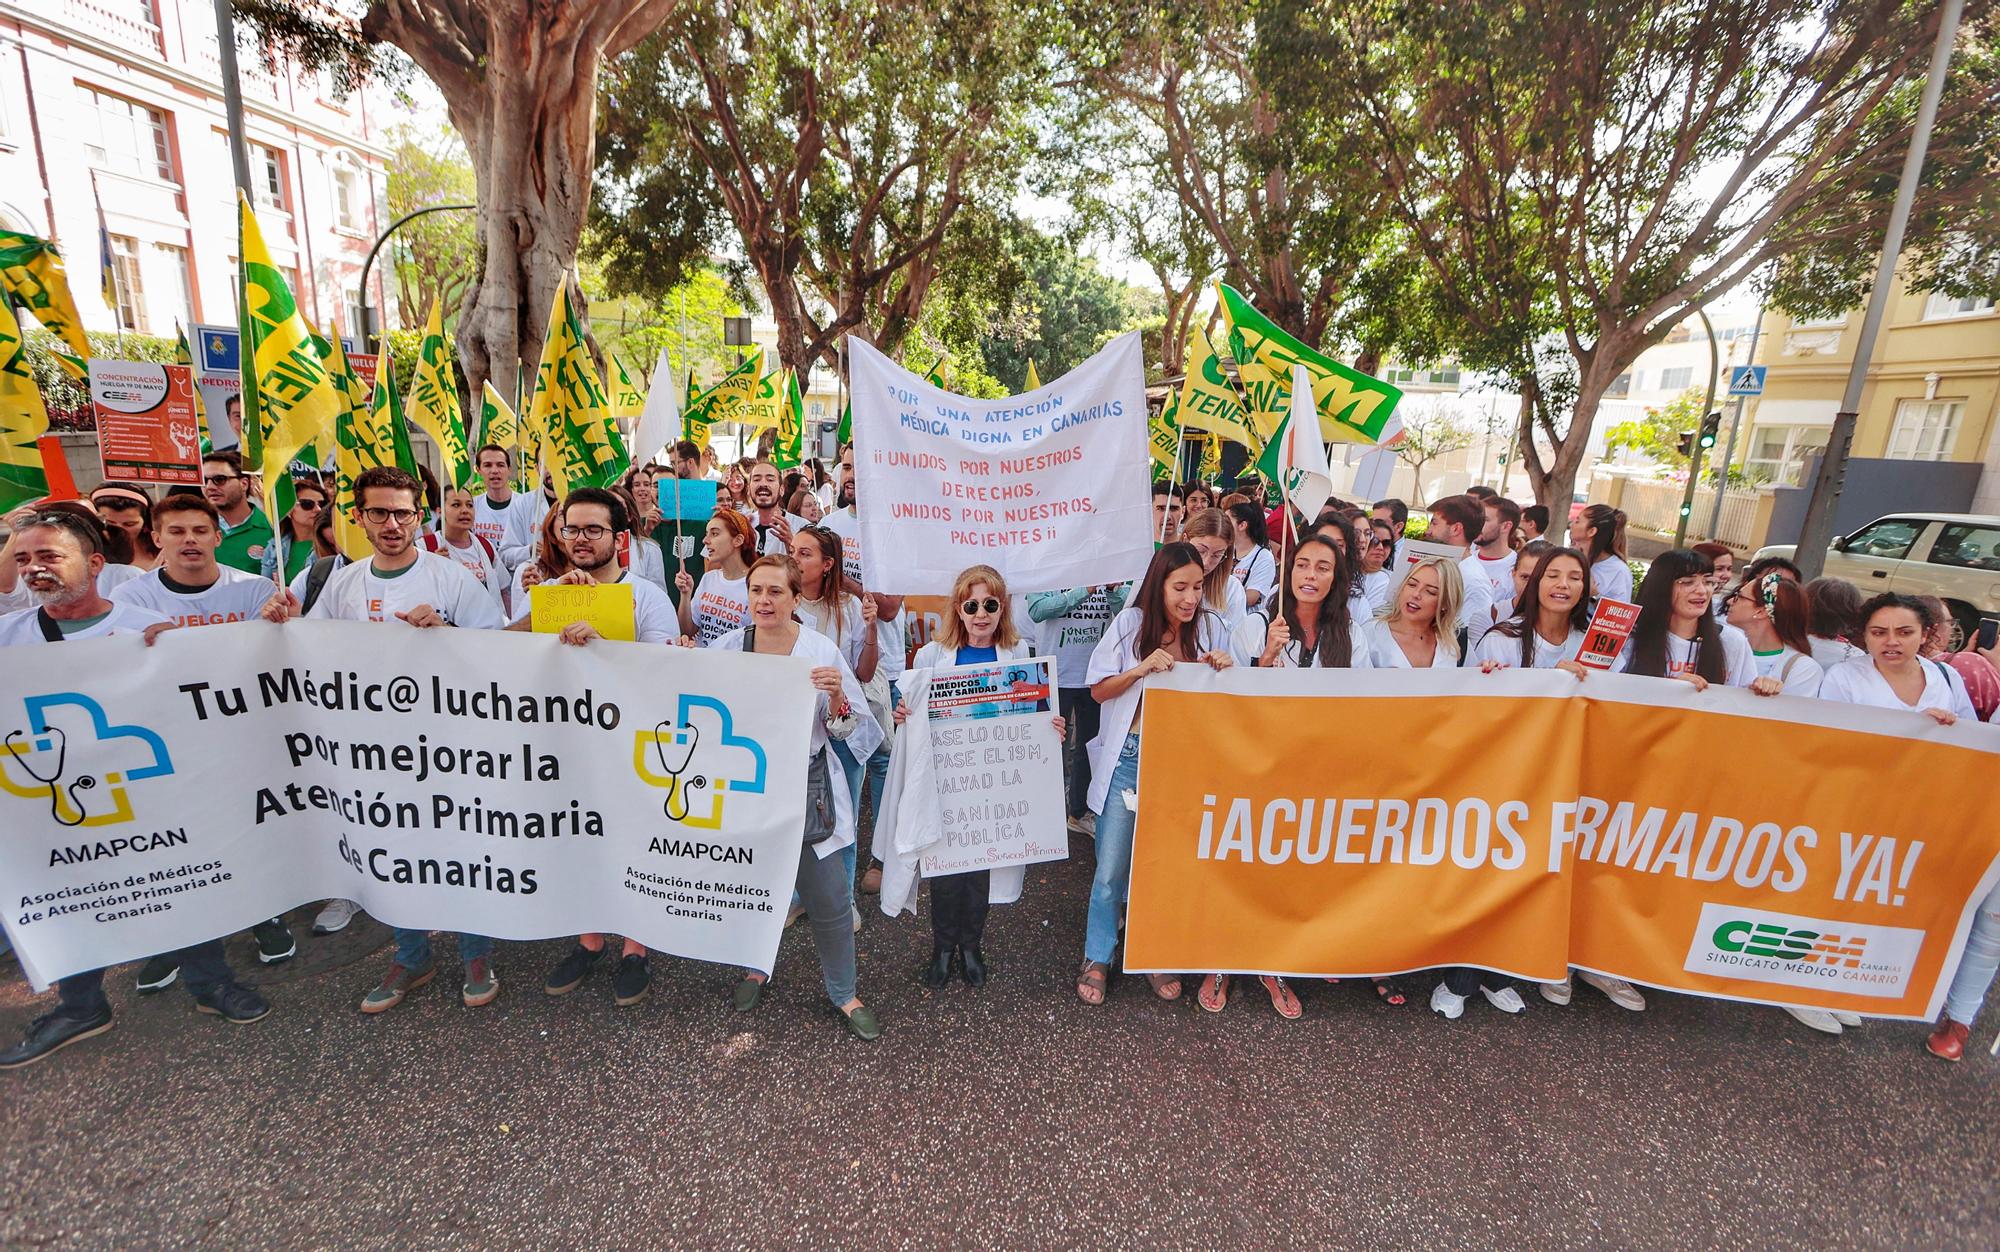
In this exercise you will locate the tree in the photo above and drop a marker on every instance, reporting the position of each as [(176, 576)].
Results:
[(839, 142), (686, 323), (519, 80), (1073, 309), (1429, 432), (1656, 435), (436, 255), (1588, 173)]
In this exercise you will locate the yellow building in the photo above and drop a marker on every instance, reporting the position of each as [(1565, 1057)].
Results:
[(1933, 390)]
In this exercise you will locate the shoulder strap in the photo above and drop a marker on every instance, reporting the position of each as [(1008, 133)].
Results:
[(50, 631), (1786, 672), (322, 569), (433, 542), (750, 637), (487, 544)]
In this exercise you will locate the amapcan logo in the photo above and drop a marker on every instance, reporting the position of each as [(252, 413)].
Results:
[(700, 760), (1849, 957), (74, 760)]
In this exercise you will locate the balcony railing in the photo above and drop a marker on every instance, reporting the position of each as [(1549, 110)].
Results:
[(127, 22)]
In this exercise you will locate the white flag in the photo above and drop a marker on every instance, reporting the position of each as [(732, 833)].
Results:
[(1302, 469), (660, 420)]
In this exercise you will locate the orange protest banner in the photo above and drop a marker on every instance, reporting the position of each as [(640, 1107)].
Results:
[(1717, 843)]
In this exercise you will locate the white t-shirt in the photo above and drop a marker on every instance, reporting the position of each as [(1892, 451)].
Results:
[(1499, 571), (356, 593), (485, 567), (853, 633), (847, 525), (770, 543), (1376, 587), (648, 562), (234, 596), (1476, 614), (720, 606), (1799, 673), (1389, 654), (1258, 572), (1249, 640), (1832, 652), (1505, 650), (654, 618), (513, 529), (1859, 682), (1739, 664), (1611, 579), (123, 619)]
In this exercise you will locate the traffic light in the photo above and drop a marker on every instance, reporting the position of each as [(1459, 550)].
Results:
[(1687, 444), (1710, 427)]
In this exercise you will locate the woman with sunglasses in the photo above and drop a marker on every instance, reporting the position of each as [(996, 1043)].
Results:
[(1676, 636), (1773, 614), (293, 548), (1377, 582), (840, 712), (980, 630), (720, 603), (1211, 534), (1166, 625)]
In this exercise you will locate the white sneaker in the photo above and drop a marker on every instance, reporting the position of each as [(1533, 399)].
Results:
[(857, 918), (1507, 1000), (1076, 826), (1445, 1004), (334, 917), (1621, 993), (1815, 1019), (1556, 992), (1847, 1019)]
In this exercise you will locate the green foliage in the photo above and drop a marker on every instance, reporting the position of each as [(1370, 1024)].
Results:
[(67, 399), (1657, 435), (1068, 308), (637, 328), (436, 256)]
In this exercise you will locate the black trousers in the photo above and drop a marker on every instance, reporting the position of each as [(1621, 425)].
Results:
[(203, 969), (1080, 713), (1463, 980), (958, 908)]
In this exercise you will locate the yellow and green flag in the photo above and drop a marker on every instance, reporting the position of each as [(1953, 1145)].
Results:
[(433, 401), (1211, 457), (497, 423), (357, 445), (725, 401), (935, 374), (31, 271), (1034, 382), (1163, 434), (1352, 407), (570, 406), (789, 450), (289, 396), (627, 398), (1209, 401), (184, 355), (764, 410), (23, 419)]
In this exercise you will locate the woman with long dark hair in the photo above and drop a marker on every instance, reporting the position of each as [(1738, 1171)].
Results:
[(1255, 567), (1835, 623), (1599, 533), (1551, 614), (841, 613), (1321, 624), (1676, 636), (1772, 612), (1166, 625)]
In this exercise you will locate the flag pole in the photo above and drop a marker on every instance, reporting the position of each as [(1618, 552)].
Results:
[(105, 260)]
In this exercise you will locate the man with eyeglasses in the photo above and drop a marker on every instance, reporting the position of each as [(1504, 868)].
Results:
[(592, 521), (245, 529), (774, 526), (404, 583), (59, 554)]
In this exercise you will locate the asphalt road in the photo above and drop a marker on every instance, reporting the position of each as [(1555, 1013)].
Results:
[(1013, 1117)]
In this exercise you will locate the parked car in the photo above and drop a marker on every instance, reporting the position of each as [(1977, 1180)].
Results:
[(1953, 556)]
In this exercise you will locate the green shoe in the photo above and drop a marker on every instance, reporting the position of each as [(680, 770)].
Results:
[(748, 994), (398, 983), (862, 1024)]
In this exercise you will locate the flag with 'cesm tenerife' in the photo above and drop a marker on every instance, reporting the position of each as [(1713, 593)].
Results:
[(724, 402), (1352, 407), (1208, 401), (789, 449), (570, 405), (31, 270), (288, 394), (23, 420), (433, 401)]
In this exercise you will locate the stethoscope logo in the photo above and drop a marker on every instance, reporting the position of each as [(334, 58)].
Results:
[(58, 790), (685, 739)]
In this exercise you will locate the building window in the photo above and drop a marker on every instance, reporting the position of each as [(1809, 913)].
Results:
[(267, 178), (1679, 378), (349, 200), (126, 137), (1975, 547), (130, 290), (1924, 430), (1620, 387), (1778, 453), (1940, 306), (173, 262)]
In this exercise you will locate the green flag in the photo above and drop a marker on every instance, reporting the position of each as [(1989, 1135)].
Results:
[(23, 419), (570, 406), (31, 271), (724, 402), (789, 450), (845, 433), (1352, 407)]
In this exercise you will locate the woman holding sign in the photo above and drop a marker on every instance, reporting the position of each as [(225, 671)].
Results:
[(1407, 636), (979, 630), (840, 714), (1166, 625), (721, 602)]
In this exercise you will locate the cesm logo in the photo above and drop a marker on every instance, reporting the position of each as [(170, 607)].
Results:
[(700, 759), (1847, 957), (73, 759)]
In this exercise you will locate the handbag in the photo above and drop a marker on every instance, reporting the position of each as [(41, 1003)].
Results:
[(819, 779)]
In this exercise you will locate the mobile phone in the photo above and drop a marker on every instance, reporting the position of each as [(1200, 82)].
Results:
[(1987, 630)]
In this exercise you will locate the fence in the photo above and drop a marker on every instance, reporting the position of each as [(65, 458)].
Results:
[(1655, 505)]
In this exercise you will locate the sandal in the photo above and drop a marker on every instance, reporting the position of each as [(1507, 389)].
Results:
[(1090, 983), (1165, 986), (1282, 998), (1214, 995), (1389, 993)]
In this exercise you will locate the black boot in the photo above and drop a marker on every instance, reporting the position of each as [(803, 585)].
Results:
[(975, 968), (938, 972)]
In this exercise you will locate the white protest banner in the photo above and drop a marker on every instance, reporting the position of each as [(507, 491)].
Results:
[(1051, 488), (518, 788), (998, 777)]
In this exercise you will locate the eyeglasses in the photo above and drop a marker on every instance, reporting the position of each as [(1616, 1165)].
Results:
[(402, 517), (217, 480), (988, 605), (583, 532)]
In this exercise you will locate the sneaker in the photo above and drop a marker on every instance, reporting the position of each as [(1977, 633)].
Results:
[(1814, 1019), (574, 968), (857, 918), (1849, 1020), (1447, 1005), (334, 917), (482, 985), (871, 882), (1507, 1000), (632, 980), (51, 1033), (274, 941), (396, 984), (234, 1003), (1621, 993), (1556, 992), (158, 974)]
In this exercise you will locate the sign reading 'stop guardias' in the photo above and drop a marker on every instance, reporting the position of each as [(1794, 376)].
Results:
[(157, 797)]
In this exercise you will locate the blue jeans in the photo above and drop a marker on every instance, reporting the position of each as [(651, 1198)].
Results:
[(1114, 856), (1978, 963), (413, 948)]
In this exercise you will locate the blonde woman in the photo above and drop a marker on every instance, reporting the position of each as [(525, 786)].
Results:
[(1407, 636), (1212, 535)]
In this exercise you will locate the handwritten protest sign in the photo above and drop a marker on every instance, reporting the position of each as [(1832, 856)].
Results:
[(998, 775), (606, 606)]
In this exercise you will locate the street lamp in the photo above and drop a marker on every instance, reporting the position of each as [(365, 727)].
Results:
[(367, 305)]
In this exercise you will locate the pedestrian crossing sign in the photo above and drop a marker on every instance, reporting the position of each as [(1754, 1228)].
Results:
[(1746, 380)]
